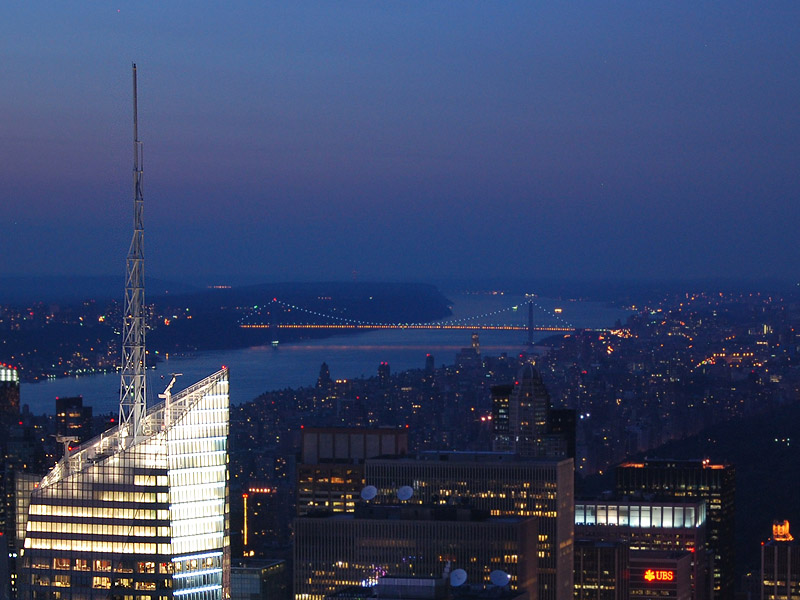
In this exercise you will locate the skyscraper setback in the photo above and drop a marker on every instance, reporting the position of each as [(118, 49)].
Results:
[(142, 511)]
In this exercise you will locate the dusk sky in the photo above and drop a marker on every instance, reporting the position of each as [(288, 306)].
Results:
[(404, 140)]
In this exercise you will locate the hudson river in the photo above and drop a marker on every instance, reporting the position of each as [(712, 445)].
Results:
[(259, 369)]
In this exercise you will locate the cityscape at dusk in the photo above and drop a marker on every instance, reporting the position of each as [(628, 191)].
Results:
[(475, 301)]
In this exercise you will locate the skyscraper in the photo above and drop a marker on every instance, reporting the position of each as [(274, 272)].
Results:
[(501, 396), (505, 485), (601, 570), (411, 541), (646, 525), (9, 390), (9, 413), (141, 520), (526, 423), (140, 512), (331, 470), (527, 413), (686, 479), (780, 565)]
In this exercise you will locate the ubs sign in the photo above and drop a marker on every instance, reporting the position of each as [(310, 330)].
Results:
[(651, 575)]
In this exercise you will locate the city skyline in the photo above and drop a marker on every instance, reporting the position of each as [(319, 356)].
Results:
[(417, 142)]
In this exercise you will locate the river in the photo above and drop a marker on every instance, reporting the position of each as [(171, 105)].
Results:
[(263, 368)]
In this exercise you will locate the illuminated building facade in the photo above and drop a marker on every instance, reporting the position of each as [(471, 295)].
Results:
[(685, 480), (331, 474), (647, 525), (505, 485), (138, 517), (410, 541), (780, 565), (660, 575), (9, 390)]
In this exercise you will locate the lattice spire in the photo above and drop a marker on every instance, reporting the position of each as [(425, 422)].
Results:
[(132, 403)]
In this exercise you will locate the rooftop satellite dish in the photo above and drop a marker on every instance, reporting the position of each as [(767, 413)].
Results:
[(405, 492), (369, 492), (499, 578), (458, 577)]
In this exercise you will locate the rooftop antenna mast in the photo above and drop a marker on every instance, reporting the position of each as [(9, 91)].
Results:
[(132, 402)]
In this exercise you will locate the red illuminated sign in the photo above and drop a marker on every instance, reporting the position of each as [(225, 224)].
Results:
[(651, 575)]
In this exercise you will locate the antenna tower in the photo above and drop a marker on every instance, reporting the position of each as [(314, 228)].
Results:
[(132, 388)]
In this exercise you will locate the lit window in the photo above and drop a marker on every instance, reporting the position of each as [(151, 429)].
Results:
[(102, 565), (146, 567)]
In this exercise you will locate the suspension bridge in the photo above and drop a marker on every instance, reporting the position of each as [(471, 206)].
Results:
[(266, 317)]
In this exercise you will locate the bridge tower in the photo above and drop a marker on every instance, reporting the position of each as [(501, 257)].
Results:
[(530, 323), (273, 330)]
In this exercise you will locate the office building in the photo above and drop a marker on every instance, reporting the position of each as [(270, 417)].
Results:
[(426, 588), (650, 525), (780, 565), (140, 512), (259, 580), (524, 421), (23, 459), (660, 575), (561, 428), (527, 412), (266, 520), (324, 381), (331, 473), (5, 573), (73, 423), (469, 359), (430, 366), (9, 390), (601, 570), (410, 541), (384, 374), (689, 479), (501, 397), (503, 484), (144, 518), (9, 412)]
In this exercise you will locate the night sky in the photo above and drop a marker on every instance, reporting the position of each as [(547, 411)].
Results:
[(404, 140)]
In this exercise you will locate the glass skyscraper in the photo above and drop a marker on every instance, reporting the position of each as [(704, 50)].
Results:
[(142, 518)]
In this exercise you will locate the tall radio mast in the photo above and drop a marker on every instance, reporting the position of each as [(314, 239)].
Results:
[(132, 403)]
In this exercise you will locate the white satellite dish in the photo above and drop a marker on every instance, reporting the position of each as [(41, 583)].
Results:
[(499, 578), (369, 492), (458, 577), (405, 492)]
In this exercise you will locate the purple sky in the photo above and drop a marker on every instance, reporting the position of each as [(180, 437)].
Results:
[(404, 140)]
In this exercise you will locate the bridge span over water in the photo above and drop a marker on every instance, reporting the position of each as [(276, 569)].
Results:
[(316, 320)]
